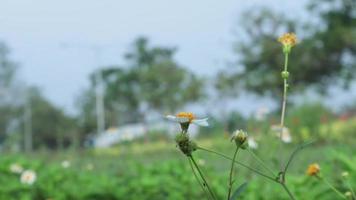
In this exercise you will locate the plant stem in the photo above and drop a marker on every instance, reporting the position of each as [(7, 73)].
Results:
[(231, 172), (332, 187), (284, 102), (205, 183), (252, 169), (237, 162), (261, 162), (288, 191), (197, 178)]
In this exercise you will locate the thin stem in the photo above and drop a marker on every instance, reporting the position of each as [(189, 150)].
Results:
[(286, 61), (284, 102), (252, 169), (332, 187), (246, 166), (231, 172), (205, 183), (288, 191), (197, 178), (260, 161)]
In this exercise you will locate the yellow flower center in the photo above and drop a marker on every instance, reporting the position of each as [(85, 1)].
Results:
[(288, 39), (313, 169), (188, 115)]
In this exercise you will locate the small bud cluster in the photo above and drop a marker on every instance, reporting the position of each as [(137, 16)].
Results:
[(185, 144), (240, 138)]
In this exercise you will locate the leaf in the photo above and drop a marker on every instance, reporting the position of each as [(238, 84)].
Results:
[(238, 191), (296, 150)]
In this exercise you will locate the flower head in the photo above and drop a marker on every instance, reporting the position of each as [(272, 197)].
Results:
[(345, 174), (288, 40), (240, 137), (28, 177), (348, 194), (90, 167), (65, 164), (252, 143), (16, 168), (313, 169), (283, 133), (187, 118)]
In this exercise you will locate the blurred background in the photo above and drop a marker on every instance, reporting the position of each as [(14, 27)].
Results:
[(85, 86)]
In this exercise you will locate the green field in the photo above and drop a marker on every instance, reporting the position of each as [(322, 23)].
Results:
[(157, 170)]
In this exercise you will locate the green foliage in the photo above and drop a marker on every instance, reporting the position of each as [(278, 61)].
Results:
[(8, 92), (304, 121), (50, 126), (325, 54), (150, 80), (164, 174)]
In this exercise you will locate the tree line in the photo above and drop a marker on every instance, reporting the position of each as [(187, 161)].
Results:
[(151, 81)]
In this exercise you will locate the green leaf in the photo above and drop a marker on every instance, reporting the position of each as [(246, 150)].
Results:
[(238, 191)]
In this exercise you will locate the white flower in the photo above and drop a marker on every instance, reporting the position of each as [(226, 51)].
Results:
[(188, 117), (261, 113), (286, 136), (90, 166), (252, 143), (28, 177), (16, 168), (65, 164)]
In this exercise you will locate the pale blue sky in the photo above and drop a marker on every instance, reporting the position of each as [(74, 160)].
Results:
[(52, 40)]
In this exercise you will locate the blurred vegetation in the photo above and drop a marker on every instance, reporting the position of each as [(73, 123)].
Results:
[(151, 81), (157, 170), (324, 56)]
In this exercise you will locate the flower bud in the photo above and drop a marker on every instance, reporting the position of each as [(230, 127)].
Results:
[(285, 74), (345, 174), (348, 195), (185, 144), (240, 137)]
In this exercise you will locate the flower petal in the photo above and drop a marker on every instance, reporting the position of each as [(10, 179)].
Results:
[(171, 118), (177, 119), (201, 122), (183, 119)]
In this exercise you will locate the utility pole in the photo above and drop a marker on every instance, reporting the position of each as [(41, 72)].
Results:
[(99, 90), (99, 94)]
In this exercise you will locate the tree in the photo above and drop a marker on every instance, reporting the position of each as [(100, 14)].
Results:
[(51, 127), (325, 55), (9, 101), (150, 81)]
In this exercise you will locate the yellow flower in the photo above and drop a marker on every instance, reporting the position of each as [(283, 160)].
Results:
[(313, 169), (288, 39), (187, 117)]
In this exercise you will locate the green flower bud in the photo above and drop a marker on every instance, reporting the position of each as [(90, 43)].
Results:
[(348, 195), (240, 137), (285, 74), (185, 144), (345, 174)]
